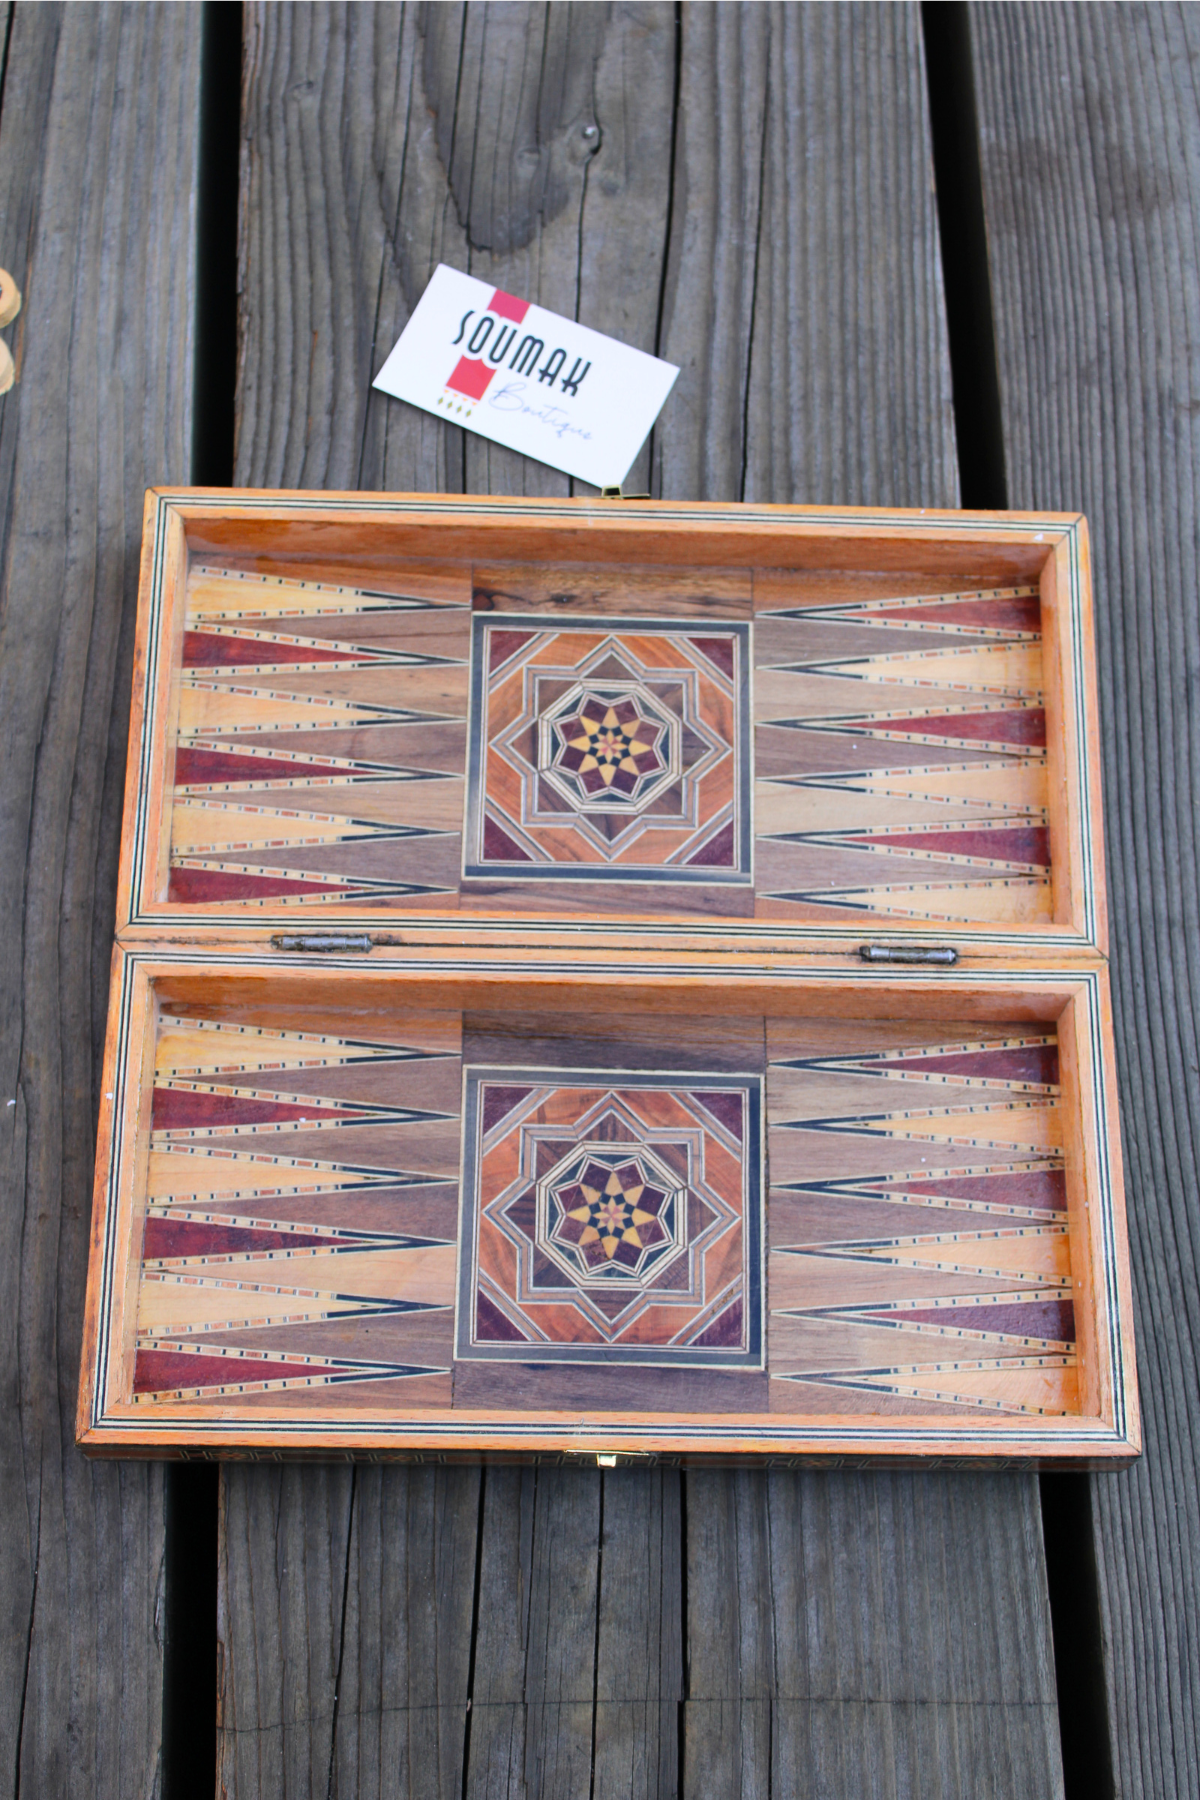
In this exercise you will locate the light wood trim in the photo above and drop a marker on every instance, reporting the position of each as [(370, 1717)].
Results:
[(1072, 717), (169, 678), (1100, 1275), (789, 993), (591, 530), (126, 1097), (1077, 1445), (160, 590)]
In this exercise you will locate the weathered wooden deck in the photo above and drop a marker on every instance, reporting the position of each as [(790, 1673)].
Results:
[(759, 206)]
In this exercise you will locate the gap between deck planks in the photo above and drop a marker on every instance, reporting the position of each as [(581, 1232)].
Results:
[(758, 208), (1090, 152), (97, 148)]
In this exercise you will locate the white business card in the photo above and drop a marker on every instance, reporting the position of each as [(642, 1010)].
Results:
[(527, 378)]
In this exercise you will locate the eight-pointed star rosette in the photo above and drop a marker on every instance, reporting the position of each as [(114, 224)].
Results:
[(603, 753)]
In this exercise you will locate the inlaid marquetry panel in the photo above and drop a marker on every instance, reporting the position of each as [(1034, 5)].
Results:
[(609, 978), (431, 1211), (900, 754), (320, 740), (612, 1219), (753, 744), (301, 1212), (609, 749)]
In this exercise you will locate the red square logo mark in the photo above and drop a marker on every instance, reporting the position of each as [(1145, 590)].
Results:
[(470, 378), (507, 306)]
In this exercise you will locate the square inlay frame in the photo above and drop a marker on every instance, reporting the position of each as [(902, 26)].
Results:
[(611, 1218), (302, 1270), (609, 750), (300, 762)]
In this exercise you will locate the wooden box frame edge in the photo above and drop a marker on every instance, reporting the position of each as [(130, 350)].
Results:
[(1052, 548), (1078, 1000)]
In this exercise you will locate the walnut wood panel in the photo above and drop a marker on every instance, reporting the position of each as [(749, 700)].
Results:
[(1090, 146), (97, 182)]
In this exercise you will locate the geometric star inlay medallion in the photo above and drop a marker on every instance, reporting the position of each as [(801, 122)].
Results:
[(611, 1218), (609, 749)]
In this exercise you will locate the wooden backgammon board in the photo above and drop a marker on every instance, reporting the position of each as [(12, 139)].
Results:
[(609, 979)]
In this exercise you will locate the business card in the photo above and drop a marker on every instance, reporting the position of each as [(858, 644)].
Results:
[(521, 376)]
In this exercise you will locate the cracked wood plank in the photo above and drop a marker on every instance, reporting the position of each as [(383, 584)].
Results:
[(1090, 155), (882, 1634), (471, 141), (344, 1621), (98, 137)]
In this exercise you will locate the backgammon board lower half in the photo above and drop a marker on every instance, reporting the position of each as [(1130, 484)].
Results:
[(356, 1208)]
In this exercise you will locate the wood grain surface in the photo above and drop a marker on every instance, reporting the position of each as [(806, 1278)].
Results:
[(97, 151), (852, 1645), (802, 294), (755, 202), (1090, 146)]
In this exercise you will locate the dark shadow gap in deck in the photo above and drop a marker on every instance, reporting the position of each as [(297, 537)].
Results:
[(8, 30), (685, 1655), (215, 365), (467, 1722), (963, 231), (1066, 1509), (189, 1735), (1071, 1574)]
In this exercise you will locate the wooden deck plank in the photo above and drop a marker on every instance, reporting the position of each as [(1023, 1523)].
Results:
[(277, 1692), (803, 295), (98, 138), (526, 236), (852, 1643), (813, 334), (1090, 151), (345, 1634), (806, 318), (639, 1641), (407, 1633), (577, 1657)]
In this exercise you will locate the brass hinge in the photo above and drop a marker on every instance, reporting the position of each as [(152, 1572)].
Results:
[(334, 942), (939, 955)]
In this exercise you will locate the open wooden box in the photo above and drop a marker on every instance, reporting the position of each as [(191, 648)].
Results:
[(609, 979)]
